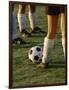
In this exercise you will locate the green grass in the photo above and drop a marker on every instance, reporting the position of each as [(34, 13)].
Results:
[(25, 72)]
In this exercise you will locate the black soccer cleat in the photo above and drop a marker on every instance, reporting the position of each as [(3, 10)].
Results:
[(18, 41), (24, 32), (37, 30)]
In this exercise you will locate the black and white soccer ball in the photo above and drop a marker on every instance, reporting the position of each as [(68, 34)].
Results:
[(35, 54)]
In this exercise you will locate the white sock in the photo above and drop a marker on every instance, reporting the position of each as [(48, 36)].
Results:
[(33, 20), (63, 44), (14, 25), (48, 44), (21, 21)]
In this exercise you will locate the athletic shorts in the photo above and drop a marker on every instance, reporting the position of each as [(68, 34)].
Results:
[(54, 10)]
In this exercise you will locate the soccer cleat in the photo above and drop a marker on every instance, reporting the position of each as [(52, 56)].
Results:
[(25, 33), (43, 65), (37, 30), (18, 41)]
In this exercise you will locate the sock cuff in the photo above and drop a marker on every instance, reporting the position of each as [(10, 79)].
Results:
[(49, 42)]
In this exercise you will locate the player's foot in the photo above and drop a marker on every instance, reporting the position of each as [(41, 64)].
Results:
[(25, 33), (18, 41), (42, 65), (37, 30)]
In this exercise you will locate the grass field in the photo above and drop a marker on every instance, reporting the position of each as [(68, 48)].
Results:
[(26, 73)]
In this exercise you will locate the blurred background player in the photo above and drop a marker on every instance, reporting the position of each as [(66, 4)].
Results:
[(14, 37), (52, 14), (21, 16)]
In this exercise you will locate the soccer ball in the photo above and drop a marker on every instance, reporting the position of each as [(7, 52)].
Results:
[(35, 54)]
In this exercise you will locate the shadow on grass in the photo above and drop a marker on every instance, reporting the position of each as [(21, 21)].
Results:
[(56, 65), (38, 35), (27, 45)]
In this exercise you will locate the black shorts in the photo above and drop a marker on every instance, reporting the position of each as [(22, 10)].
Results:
[(54, 10)]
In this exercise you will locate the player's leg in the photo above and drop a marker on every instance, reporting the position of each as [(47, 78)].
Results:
[(33, 19), (49, 39), (14, 25), (63, 28), (21, 16), (15, 38), (32, 15)]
